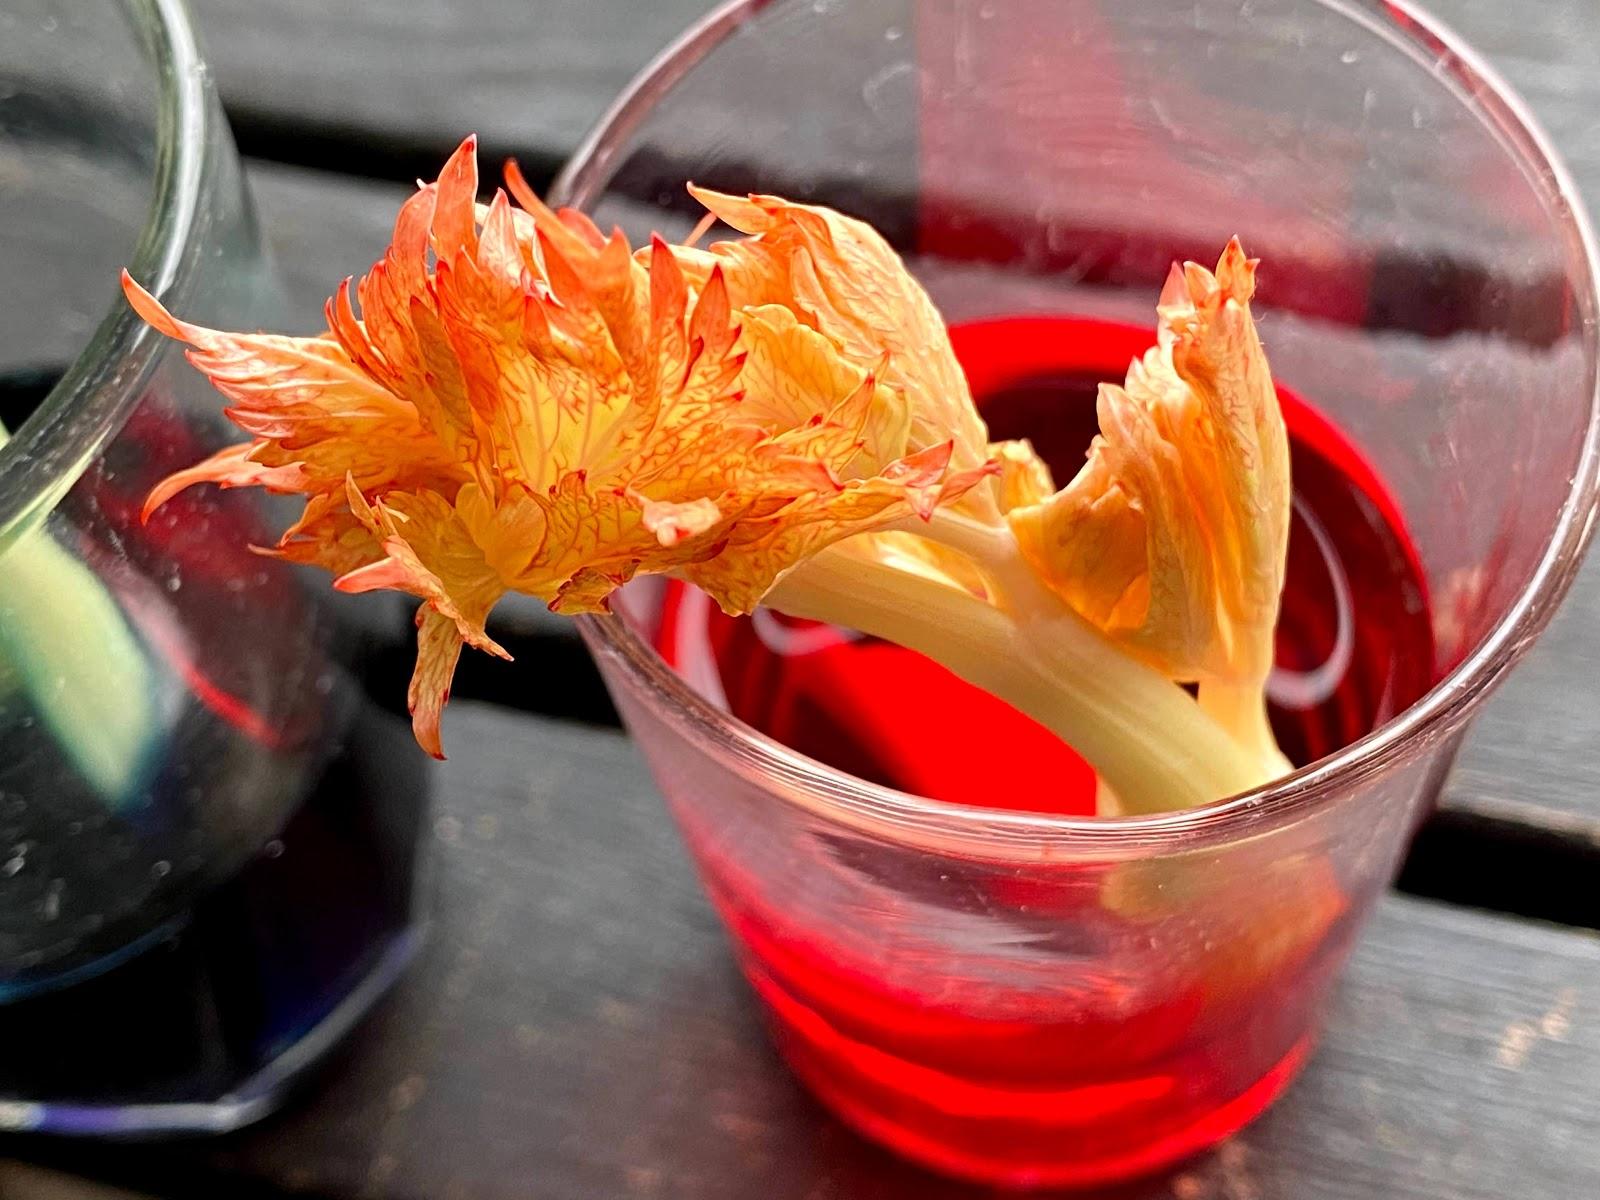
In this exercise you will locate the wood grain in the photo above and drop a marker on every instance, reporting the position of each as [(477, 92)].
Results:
[(23, 1181), (1546, 51), (576, 1029), (1534, 746), (532, 75), (363, 83)]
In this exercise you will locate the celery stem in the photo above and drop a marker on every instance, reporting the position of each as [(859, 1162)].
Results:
[(1153, 745), (1242, 710)]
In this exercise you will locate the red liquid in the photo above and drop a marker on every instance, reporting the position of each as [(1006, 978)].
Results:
[(1119, 1077)]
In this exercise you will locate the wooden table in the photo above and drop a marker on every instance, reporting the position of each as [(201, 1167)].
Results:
[(576, 1030)]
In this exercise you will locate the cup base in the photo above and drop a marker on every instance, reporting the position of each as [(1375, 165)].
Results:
[(205, 1025), (248, 1102), (1075, 1170)]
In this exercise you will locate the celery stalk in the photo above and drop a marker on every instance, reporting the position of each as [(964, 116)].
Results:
[(67, 651), (1156, 749)]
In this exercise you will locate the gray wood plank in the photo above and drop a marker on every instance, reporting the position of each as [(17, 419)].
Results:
[(1546, 51), (576, 1029), (24, 1181), (533, 75), (526, 75), (1533, 749)]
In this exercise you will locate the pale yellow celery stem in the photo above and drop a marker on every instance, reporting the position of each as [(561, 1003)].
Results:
[(1145, 736), (1206, 739), (1236, 727), (66, 645), (1241, 708)]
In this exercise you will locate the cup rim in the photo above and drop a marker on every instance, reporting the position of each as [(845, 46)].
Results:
[(46, 454), (907, 818)]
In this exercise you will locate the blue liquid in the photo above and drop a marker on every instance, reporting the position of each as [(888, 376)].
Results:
[(208, 836), (199, 1024)]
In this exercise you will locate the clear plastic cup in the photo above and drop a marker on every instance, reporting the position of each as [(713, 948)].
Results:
[(1030, 999)]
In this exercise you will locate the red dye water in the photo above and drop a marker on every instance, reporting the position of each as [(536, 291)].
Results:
[(1112, 1083)]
